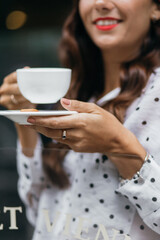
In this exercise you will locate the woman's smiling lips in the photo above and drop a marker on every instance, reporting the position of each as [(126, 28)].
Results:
[(107, 23)]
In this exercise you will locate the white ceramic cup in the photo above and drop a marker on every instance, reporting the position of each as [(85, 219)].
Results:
[(43, 85)]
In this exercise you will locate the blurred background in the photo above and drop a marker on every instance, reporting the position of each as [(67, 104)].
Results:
[(29, 36)]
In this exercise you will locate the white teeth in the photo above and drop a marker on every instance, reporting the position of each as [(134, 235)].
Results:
[(101, 23), (106, 22)]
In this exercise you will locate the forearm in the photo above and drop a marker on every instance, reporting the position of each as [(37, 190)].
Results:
[(28, 139)]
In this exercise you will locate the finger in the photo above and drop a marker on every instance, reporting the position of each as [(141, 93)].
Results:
[(10, 89), (71, 134), (6, 99), (7, 102), (63, 122), (11, 78), (53, 134), (56, 134), (79, 106)]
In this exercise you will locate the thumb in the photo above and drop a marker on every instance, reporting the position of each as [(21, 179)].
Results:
[(79, 106)]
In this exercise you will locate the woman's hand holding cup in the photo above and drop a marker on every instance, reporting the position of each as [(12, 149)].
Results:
[(10, 95)]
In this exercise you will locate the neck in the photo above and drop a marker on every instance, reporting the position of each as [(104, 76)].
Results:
[(112, 60), (111, 74)]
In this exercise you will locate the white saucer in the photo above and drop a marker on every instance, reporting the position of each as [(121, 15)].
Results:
[(21, 117)]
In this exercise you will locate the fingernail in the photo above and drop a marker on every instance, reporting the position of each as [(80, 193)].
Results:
[(66, 101), (31, 120)]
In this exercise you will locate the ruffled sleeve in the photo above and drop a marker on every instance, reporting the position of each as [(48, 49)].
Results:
[(144, 193), (143, 119)]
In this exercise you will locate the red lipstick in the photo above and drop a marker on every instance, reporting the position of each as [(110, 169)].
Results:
[(106, 27)]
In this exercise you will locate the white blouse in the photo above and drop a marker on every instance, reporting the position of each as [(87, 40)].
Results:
[(96, 206)]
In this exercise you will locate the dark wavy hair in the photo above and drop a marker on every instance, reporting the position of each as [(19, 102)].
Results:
[(78, 52)]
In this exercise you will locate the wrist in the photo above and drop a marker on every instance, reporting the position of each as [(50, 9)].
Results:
[(129, 155), (28, 139), (128, 144), (136, 175)]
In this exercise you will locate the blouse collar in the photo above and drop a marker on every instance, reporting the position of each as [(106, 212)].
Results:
[(109, 96)]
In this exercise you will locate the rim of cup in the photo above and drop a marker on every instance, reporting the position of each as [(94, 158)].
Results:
[(44, 70)]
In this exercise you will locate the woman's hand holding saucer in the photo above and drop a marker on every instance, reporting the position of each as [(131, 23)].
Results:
[(93, 129)]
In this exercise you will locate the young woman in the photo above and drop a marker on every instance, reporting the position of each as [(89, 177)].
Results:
[(113, 49)]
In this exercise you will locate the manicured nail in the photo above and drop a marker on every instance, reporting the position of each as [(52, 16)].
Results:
[(66, 101), (31, 120)]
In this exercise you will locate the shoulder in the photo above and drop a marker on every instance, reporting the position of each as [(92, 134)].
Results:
[(148, 103)]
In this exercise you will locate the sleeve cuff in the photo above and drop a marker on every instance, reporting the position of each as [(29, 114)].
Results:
[(144, 191)]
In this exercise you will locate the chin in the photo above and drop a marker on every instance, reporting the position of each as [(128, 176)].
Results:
[(106, 42), (107, 46)]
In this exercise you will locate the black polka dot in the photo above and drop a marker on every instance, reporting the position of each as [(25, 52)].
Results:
[(144, 122), (95, 225), (56, 201), (142, 227), (101, 201), (73, 219), (136, 181), (35, 163), (111, 216), (156, 99), (127, 207), (149, 161), (104, 158), (152, 87), (136, 198), (121, 231), (91, 185), (79, 195), (137, 108), (27, 176), (154, 199), (126, 196), (84, 170), (116, 192), (86, 209), (138, 206), (152, 180), (155, 224), (147, 139), (97, 160), (105, 175), (25, 165), (76, 180)]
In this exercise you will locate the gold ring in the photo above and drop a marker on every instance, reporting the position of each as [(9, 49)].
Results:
[(13, 100)]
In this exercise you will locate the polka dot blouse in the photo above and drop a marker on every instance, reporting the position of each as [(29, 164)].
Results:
[(96, 206)]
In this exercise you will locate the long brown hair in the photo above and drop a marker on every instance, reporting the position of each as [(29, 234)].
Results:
[(78, 52)]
